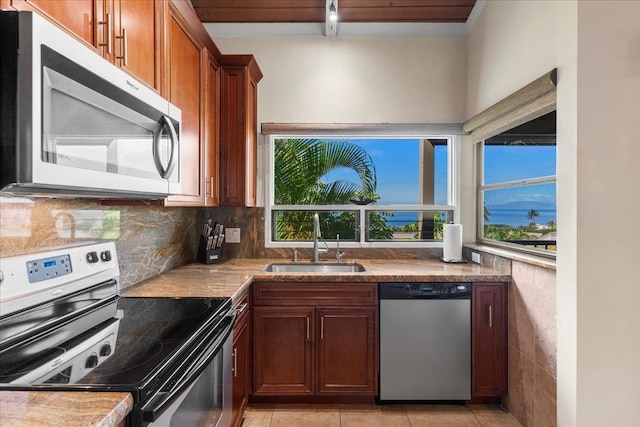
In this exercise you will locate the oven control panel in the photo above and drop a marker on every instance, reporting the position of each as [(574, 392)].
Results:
[(32, 279), (47, 268)]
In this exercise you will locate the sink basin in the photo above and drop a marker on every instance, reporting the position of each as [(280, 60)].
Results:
[(314, 268)]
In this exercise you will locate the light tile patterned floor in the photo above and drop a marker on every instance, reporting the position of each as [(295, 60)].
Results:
[(298, 415)]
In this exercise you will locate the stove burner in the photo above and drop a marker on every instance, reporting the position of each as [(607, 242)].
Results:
[(135, 352)]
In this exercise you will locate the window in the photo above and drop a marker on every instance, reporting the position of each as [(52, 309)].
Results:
[(367, 191), (517, 189)]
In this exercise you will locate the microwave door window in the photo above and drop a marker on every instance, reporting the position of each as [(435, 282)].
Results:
[(85, 129)]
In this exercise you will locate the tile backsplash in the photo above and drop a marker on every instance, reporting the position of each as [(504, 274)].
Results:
[(149, 239)]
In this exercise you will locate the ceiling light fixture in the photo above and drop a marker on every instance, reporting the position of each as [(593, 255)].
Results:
[(331, 18), (333, 12)]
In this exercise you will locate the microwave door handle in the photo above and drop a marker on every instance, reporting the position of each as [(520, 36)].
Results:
[(173, 136), (153, 413)]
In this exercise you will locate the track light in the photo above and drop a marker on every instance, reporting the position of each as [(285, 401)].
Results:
[(333, 12)]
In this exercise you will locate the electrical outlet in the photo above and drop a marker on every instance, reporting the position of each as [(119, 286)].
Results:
[(232, 235), (475, 257)]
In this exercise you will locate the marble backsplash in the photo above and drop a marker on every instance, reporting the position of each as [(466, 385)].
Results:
[(149, 239), (252, 240)]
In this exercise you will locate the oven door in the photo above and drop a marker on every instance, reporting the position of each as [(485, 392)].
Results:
[(198, 393)]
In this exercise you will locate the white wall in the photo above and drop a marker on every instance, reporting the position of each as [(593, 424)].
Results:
[(511, 44), (608, 212), (596, 47), (357, 80)]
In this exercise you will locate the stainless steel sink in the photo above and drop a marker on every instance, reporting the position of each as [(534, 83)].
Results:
[(314, 268)]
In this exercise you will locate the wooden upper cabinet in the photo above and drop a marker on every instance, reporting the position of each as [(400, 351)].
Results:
[(135, 29), (212, 131), (76, 16), (239, 130), (185, 80)]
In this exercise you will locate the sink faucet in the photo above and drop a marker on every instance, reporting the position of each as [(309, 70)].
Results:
[(316, 235), (339, 254)]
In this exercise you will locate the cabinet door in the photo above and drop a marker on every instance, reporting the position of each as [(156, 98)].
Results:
[(184, 79), (241, 345), (347, 356), (283, 350), (238, 130), (136, 47), (489, 341), (212, 131), (77, 16), (232, 141)]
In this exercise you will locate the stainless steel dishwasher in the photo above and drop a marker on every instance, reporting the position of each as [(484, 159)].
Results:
[(425, 341)]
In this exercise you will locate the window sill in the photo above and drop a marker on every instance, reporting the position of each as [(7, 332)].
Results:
[(514, 255)]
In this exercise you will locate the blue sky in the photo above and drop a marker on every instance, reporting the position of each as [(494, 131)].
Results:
[(397, 168)]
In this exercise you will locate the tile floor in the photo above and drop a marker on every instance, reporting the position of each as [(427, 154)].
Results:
[(298, 415)]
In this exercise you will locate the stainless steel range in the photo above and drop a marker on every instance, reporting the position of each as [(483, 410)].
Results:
[(63, 326)]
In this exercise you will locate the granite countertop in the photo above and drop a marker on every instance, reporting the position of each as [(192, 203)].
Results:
[(228, 279), (69, 409), (231, 278)]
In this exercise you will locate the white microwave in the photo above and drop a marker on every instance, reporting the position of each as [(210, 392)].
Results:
[(73, 124)]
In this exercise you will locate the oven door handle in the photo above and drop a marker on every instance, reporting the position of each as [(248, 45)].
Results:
[(163, 399)]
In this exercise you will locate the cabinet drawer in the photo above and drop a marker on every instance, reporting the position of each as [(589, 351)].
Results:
[(315, 294)]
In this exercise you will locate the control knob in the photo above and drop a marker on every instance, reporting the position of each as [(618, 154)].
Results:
[(92, 361), (92, 257), (105, 256), (105, 350)]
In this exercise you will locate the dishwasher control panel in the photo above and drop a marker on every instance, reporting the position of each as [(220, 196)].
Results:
[(425, 290)]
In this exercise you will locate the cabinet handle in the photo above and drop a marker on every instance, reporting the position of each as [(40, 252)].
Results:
[(235, 362), (322, 328), (308, 337), (109, 24), (124, 57), (242, 308), (490, 316), (210, 192)]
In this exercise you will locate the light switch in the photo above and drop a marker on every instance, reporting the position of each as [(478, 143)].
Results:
[(232, 235)]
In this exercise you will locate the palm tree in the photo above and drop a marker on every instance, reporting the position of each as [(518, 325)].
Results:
[(300, 165), (532, 215)]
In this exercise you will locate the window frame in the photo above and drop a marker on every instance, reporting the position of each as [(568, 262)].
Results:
[(481, 187), (453, 188)]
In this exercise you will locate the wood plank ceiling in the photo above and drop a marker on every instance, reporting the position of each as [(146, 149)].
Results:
[(305, 11)]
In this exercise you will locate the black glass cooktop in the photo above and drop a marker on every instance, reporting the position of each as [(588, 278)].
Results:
[(126, 352)]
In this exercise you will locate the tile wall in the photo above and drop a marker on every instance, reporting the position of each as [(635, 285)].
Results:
[(532, 339), (149, 240)]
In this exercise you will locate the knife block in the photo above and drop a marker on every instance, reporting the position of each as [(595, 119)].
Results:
[(208, 256)]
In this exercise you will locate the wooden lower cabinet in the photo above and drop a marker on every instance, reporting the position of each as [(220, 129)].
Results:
[(283, 350), (320, 349), (241, 359), (346, 350), (489, 340)]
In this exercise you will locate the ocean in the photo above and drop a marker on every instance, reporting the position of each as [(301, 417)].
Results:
[(517, 217), (512, 217)]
